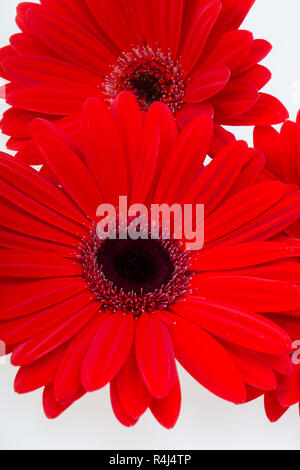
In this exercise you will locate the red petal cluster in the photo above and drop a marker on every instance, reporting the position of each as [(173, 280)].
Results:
[(282, 152)]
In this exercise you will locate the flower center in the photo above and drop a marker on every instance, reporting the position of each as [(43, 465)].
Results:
[(150, 75), (135, 276)]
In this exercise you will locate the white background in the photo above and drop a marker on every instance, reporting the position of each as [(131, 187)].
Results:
[(206, 422)]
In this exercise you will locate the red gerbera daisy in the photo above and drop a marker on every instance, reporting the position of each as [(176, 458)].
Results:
[(282, 152), (287, 394), (79, 313), (188, 54)]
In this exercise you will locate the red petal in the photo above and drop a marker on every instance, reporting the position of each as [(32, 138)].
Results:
[(245, 207), (146, 166), (251, 171), (267, 139), (67, 384), (28, 222), (39, 373), (290, 151), (232, 15), (77, 12), (268, 110), (11, 239), (167, 410), (237, 97), (171, 12), (108, 351), (142, 16), (201, 355), (187, 153), (201, 87), (289, 389), (26, 265), (29, 44), (274, 410), (221, 138), (52, 407), (258, 75), (41, 344), (21, 19), (118, 409), (39, 69), (191, 111), (253, 369), (104, 150), (253, 393), (34, 296), (29, 182), (230, 50), (258, 51), (80, 46), (130, 129), (284, 270), (51, 98), (112, 21), (243, 255), (67, 167), (261, 295), (20, 329), (5, 52), (198, 28), (281, 364), (155, 355), (218, 177), (234, 324), (132, 391), (15, 122), (160, 114)]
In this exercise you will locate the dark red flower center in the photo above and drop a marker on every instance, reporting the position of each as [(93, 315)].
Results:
[(135, 276), (150, 75)]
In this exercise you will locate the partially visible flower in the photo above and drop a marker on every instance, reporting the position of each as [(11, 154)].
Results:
[(78, 313), (282, 153), (189, 54)]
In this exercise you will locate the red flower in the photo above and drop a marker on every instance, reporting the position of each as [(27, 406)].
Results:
[(189, 54), (79, 313), (287, 394), (282, 152)]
